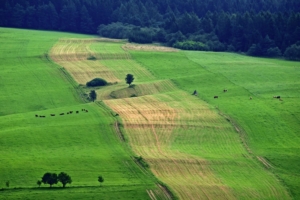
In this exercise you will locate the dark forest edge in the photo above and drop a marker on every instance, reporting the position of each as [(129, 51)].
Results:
[(269, 28)]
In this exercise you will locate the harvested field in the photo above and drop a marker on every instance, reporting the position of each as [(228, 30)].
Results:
[(178, 136), (151, 125), (188, 145), (141, 47), (72, 55), (143, 89)]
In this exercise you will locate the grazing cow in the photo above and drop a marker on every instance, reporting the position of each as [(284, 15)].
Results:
[(42, 116), (86, 111), (61, 113), (52, 114), (68, 113), (250, 98), (216, 97), (77, 111), (276, 97), (71, 112), (116, 114), (225, 90), (36, 116)]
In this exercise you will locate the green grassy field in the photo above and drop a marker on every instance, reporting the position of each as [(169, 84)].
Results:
[(270, 126), (84, 145), (202, 148), (176, 126)]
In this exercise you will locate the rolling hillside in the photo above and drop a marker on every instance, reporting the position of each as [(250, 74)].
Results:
[(154, 139)]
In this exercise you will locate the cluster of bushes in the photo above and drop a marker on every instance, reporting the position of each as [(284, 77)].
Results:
[(96, 82)]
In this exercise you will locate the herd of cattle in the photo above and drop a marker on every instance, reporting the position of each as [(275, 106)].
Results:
[(225, 90), (68, 113)]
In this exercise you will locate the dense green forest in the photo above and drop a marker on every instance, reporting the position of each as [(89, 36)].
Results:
[(269, 28)]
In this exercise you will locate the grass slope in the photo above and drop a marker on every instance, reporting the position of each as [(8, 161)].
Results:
[(84, 145), (191, 148), (272, 126)]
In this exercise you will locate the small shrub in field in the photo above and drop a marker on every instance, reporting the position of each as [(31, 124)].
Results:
[(92, 58), (96, 82)]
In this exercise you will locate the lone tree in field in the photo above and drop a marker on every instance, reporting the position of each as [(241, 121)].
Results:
[(39, 183), (93, 95), (7, 184), (100, 180), (64, 178), (50, 178), (129, 79)]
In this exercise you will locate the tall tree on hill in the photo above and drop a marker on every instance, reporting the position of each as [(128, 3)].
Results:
[(18, 16), (93, 95), (53, 16), (31, 18), (86, 22), (129, 79), (68, 17)]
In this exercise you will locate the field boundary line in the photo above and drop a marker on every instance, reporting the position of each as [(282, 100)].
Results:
[(65, 74)]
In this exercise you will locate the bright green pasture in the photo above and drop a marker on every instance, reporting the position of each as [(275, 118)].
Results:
[(84, 145), (28, 81), (271, 126)]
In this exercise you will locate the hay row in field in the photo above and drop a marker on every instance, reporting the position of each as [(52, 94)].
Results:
[(140, 47)]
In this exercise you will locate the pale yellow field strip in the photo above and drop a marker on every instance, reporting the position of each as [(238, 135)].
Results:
[(72, 55), (144, 47), (154, 124), (150, 125)]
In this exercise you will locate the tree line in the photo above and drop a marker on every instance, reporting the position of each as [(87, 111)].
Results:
[(261, 28), (53, 178)]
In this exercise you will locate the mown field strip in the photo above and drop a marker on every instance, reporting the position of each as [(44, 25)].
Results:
[(186, 143), (191, 148), (73, 55)]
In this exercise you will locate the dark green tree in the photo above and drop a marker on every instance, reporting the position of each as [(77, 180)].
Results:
[(31, 18), (129, 79), (93, 95), (100, 180), (86, 22), (18, 16), (293, 52), (39, 182), (64, 178), (69, 17), (7, 184), (50, 178)]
